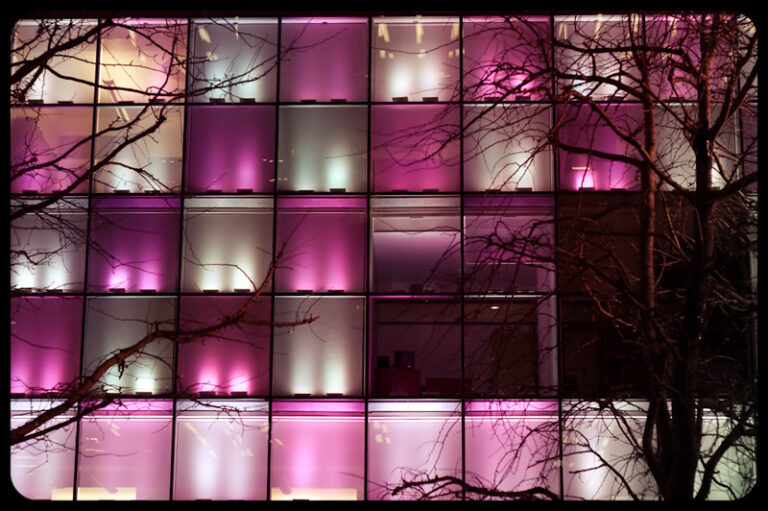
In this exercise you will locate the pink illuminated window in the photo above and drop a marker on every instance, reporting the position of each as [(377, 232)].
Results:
[(125, 452), (500, 148), (76, 66), (235, 60), (323, 241), (520, 44), (323, 148), (508, 244), (415, 58), (416, 347), (410, 150), (153, 162), (593, 142), (510, 347), (52, 136), (749, 142), (43, 469), (235, 360), (135, 244), (325, 357), (325, 59), (227, 244), (412, 441), (512, 445), (220, 455), (142, 61), (45, 355), (415, 244), (231, 148), (318, 450), (47, 251), (114, 323)]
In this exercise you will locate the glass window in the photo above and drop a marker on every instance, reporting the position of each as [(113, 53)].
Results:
[(151, 162), (47, 246), (235, 60), (323, 148), (50, 149), (43, 469), (125, 452), (135, 244), (323, 242), (227, 244), (512, 445), (416, 347), (324, 59), (413, 441), (415, 245), (506, 59), (318, 450), (501, 148), (72, 72), (415, 59), (45, 355), (749, 141), (143, 60), (415, 148), (221, 450), (324, 357), (117, 322), (235, 360), (230, 149), (508, 244)]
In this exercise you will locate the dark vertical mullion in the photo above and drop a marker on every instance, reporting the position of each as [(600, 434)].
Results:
[(278, 59), (89, 215), (462, 296), (177, 320), (367, 365)]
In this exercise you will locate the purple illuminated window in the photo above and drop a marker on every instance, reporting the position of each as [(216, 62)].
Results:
[(77, 65), (125, 452), (52, 239), (231, 148), (512, 445), (324, 357), (152, 162), (118, 322), (135, 245), (411, 441), (408, 151), (508, 244), (235, 60), (227, 244), (325, 59), (510, 347), (143, 61), (233, 361), (220, 455), (749, 142), (43, 469), (583, 129), (323, 242), (415, 244), (323, 148), (50, 135), (416, 59), (520, 44), (318, 450), (45, 355), (416, 347)]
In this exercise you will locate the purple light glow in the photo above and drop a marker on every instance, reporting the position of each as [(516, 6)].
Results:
[(44, 354), (403, 139), (236, 360), (139, 237), (331, 60), (231, 148), (324, 244)]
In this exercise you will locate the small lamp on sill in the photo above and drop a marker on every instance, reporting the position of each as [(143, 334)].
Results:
[(148, 291), (334, 394), (65, 102), (305, 291), (248, 100), (210, 291), (429, 99), (242, 290), (117, 290), (302, 394), (217, 101), (29, 192), (524, 189), (215, 190), (335, 291), (238, 393), (156, 101), (206, 393), (244, 190), (305, 190), (142, 393), (307, 101), (121, 190), (400, 99), (35, 102), (338, 190)]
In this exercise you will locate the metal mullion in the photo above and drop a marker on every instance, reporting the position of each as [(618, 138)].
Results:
[(367, 366)]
